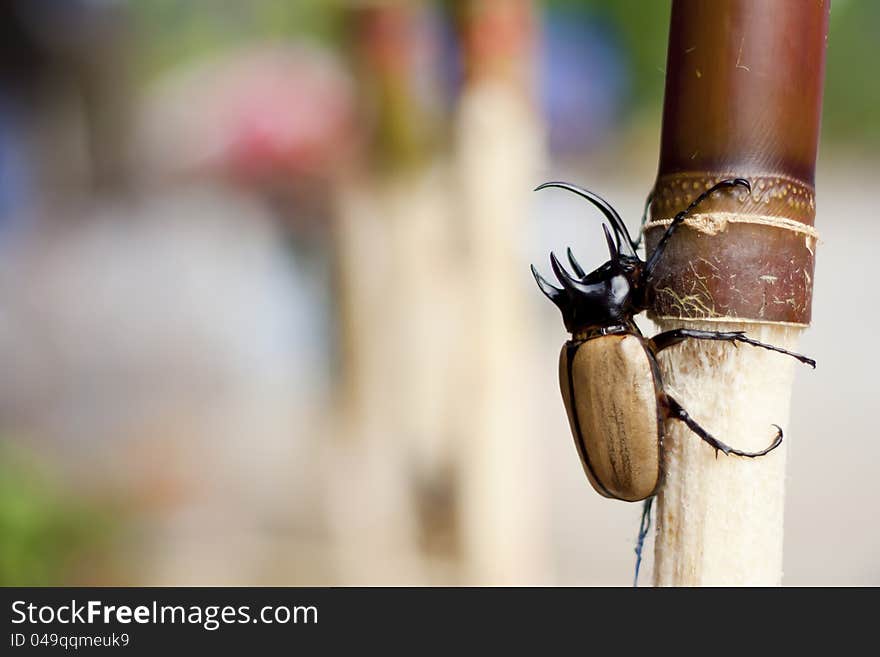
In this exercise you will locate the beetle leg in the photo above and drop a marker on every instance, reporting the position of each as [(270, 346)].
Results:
[(669, 338), (679, 218), (675, 411)]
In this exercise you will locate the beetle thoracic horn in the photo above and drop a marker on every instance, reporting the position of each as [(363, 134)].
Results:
[(571, 284), (552, 292), (624, 241), (575, 265), (615, 255), (564, 277)]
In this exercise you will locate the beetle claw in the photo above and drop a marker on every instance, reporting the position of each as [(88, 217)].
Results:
[(778, 439), (742, 182)]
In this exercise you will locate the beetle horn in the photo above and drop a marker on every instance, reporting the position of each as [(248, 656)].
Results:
[(575, 265), (624, 241), (556, 295), (615, 254), (564, 277), (571, 284)]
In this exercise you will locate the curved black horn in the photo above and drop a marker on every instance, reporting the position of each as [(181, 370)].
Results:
[(570, 283), (624, 240), (612, 250), (564, 277), (552, 292), (575, 265)]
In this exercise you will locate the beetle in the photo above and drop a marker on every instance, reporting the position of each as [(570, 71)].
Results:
[(611, 384)]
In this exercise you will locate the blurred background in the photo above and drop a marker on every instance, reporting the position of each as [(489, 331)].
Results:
[(265, 308)]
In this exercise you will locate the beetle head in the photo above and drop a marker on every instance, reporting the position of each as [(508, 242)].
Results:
[(605, 297)]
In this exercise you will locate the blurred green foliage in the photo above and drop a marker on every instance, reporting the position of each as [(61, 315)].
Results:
[(643, 28), (851, 113), (172, 32), (43, 531)]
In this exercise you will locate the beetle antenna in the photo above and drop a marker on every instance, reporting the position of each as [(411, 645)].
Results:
[(555, 294), (624, 241), (575, 265), (681, 216)]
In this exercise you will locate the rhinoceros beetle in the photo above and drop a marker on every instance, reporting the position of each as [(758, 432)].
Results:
[(611, 383)]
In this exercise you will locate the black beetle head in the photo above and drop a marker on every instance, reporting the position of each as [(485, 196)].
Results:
[(604, 297), (613, 293)]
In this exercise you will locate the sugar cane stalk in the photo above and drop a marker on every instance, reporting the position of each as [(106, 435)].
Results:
[(743, 98)]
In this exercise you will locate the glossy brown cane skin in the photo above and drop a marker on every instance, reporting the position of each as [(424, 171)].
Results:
[(732, 106), (743, 94)]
